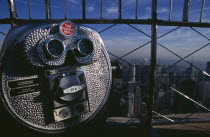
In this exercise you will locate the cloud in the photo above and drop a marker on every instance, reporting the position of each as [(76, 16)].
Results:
[(205, 19), (143, 29), (146, 17), (183, 41), (22, 1), (141, 2), (111, 10), (55, 6), (198, 10), (162, 10), (120, 45), (73, 1), (33, 3), (148, 9), (129, 2), (159, 10), (90, 8)]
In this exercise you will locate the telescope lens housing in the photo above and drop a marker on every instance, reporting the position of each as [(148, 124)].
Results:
[(84, 47), (54, 48)]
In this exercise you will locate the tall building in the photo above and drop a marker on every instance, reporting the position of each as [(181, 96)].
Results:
[(204, 89), (190, 72), (182, 104), (134, 95), (137, 103), (208, 67)]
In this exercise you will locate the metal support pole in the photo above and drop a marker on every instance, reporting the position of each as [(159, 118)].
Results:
[(65, 14), (47, 9), (170, 10), (201, 13), (12, 9), (29, 9), (119, 9), (83, 9), (137, 9), (152, 64), (101, 9), (186, 10)]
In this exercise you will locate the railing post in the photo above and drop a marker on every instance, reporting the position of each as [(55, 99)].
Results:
[(137, 9), (152, 63), (119, 9), (170, 9), (12, 9), (47, 9), (202, 8), (65, 14), (186, 10), (83, 9), (101, 9), (29, 9)]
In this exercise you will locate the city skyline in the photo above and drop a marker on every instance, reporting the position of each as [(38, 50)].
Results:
[(189, 81)]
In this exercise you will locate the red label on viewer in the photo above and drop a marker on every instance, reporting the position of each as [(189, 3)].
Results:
[(67, 29)]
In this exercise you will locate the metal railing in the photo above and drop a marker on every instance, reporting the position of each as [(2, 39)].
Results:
[(101, 20)]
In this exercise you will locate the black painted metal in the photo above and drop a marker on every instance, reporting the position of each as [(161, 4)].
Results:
[(160, 122), (107, 28), (183, 58), (137, 8), (13, 16), (13, 13), (65, 14), (146, 42), (29, 9), (135, 49), (81, 21), (120, 58), (152, 64), (190, 99), (119, 9), (111, 21), (201, 13), (186, 10), (101, 9), (2, 33), (138, 30), (183, 24), (83, 9), (47, 9), (205, 73)]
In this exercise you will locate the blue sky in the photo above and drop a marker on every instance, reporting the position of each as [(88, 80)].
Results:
[(122, 38)]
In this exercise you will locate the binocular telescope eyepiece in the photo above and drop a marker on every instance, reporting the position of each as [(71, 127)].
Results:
[(54, 48), (83, 47)]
